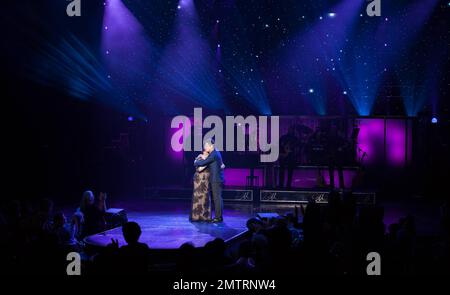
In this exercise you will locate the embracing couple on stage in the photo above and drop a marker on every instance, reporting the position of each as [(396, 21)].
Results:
[(208, 177)]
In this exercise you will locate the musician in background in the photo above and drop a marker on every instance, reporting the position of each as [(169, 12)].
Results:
[(336, 147), (287, 158)]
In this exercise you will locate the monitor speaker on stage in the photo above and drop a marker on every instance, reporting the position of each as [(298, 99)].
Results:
[(268, 215), (116, 217)]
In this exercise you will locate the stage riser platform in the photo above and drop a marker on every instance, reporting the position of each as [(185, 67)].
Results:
[(303, 197), (260, 196), (234, 195), (166, 226)]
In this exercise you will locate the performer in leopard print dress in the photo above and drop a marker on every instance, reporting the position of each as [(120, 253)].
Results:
[(201, 203)]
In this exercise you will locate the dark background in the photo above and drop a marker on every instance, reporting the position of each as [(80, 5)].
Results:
[(57, 145)]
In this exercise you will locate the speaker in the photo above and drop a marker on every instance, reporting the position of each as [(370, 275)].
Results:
[(116, 217), (269, 215)]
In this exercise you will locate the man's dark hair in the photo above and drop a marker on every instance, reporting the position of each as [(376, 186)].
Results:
[(252, 222), (131, 232)]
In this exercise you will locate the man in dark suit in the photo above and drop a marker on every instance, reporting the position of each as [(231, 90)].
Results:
[(215, 164)]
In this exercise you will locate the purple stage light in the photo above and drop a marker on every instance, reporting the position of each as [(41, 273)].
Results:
[(187, 65), (130, 119), (128, 51), (186, 4), (434, 120), (315, 52), (384, 139), (371, 140), (395, 142), (238, 176)]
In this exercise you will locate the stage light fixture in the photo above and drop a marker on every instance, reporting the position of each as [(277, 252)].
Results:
[(434, 120)]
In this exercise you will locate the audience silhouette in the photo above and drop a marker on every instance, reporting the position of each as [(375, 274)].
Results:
[(315, 239)]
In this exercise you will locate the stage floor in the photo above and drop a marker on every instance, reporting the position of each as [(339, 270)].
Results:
[(166, 225)]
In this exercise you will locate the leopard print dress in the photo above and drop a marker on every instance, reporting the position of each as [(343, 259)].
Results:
[(201, 203)]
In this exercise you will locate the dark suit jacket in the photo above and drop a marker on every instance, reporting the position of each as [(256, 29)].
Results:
[(214, 161)]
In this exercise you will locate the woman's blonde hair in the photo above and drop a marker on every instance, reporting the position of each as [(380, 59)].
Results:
[(85, 199)]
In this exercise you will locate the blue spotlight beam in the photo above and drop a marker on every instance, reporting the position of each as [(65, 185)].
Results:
[(186, 66), (313, 56), (71, 66), (366, 60), (239, 63)]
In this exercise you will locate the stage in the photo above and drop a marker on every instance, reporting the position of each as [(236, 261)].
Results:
[(163, 215), (166, 225), (165, 222)]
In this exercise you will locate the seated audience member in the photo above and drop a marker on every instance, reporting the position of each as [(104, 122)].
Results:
[(254, 225), (106, 262), (406, 236), (245, 263), (312, 226), (65, 231), (259, 242), (294, 228), (214, 255), (280, 241), (186, 258), (133, 258), (42, 220), (91, 213)]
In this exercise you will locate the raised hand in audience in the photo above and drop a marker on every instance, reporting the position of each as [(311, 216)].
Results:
[(114, 243)]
